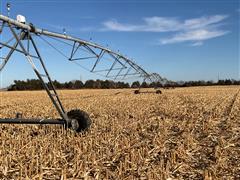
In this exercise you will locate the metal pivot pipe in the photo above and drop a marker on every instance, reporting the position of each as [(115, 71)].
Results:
[(31, 121), (73, 39)]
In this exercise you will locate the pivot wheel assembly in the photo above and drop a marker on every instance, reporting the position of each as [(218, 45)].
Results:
[(23, 40), (158, 92), (79, 120), (136, 92)]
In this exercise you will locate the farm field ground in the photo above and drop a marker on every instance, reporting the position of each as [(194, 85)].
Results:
[(184, 133)]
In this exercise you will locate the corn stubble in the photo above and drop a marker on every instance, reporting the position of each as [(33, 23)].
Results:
[(184, 133)]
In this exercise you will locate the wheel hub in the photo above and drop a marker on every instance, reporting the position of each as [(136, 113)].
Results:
[(74, 124)]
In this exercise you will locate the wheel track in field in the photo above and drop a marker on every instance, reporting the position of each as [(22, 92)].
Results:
[(227, 111), (225, 120), (232, 103), (211, 112), (192, 105)]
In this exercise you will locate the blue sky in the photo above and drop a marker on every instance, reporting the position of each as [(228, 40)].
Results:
[(180, 40)]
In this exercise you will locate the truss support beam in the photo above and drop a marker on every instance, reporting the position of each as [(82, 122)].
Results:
[(55, 94), (15, 49), (47, 86), (99, 57)]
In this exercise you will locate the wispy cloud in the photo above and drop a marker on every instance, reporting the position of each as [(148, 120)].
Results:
[(151, 24), (196, 29), (200, 43), (196, 36), (163, 24)]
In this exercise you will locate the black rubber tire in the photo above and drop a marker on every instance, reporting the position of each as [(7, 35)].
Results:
[(82, 118), (136, 92), (158, 92)]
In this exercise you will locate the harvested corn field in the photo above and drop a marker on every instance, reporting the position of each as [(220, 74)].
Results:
[(184, 133)]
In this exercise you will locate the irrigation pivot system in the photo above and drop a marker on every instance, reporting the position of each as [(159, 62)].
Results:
[(22, 39)]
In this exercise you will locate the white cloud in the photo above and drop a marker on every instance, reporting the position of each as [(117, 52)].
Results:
[(161, 24), (203, 21), (115, 26), (151, 24), (195, 35), (195, 29), (199, 43), (164, 24)]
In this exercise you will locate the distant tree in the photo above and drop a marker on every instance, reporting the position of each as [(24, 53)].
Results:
[(228, 82), (78, 84), (126, 85), (209, 83), (120, 85), (108, 84), (98, 84), (235, 82), (152, 85), (135, 84), (35, 84), (68, 85), (12, 87), (155, 85), (144, 85), (57, 84), (220, 82), (89, 84)]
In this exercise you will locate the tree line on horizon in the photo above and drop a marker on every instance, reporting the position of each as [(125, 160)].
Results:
[(35, 84)]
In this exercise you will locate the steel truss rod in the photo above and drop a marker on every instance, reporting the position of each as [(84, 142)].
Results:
[(111, 68), (99, 57), (119, 72), (8, 41), (87, 49), (90, 49), (73, 51), (104, 70), (2, 26), (11, 52), (15, 49), (124, 75), (84, 58), (117, 59)]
